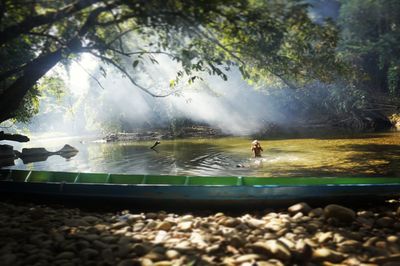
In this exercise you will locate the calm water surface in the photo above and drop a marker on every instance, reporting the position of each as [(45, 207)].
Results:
[(367, 154)]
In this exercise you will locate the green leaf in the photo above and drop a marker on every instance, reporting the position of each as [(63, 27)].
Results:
[(154, 61), (135, 63), (103, 72)]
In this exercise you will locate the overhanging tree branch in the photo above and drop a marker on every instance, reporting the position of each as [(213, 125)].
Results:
[(210, 37), (47, 36), (131, 79), (29, 23), (90, 75)]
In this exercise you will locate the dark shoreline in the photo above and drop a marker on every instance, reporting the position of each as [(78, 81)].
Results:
[(209, 132)]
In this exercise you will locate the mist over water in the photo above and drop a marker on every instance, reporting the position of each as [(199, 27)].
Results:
[(233, 106)]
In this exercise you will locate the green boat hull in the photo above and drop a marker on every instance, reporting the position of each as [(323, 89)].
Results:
[(200, 189)]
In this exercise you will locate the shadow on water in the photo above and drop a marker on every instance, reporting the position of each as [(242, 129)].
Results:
[(375, 160), (326, 135), (382, 159)]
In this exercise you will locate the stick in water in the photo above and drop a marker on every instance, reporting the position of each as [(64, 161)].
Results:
[(155, 144)]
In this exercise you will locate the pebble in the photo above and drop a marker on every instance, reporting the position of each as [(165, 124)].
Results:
[(138, 227), (334, 235), (341, 213), (90, 219), (386, 259), (172, 254), (317, 212), (184, 226), (255, 223), (384, 222), (140, 249), (65, 255), (119, 225), (301, 207), (326, 254), (323, 237), (127, 262), (165, 226), (89, 253), (231, 222), (273, 248), (247, 257)]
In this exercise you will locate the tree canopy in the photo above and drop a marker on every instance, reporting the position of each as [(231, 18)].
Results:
[(264, 39), (370, 41)]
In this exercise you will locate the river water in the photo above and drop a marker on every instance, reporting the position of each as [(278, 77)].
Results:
[(356, 155)]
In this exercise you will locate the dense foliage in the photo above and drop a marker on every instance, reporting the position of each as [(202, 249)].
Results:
[(370, 41), (264, 39)]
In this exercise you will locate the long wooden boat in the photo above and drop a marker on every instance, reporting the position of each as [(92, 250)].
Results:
[(202, 189)]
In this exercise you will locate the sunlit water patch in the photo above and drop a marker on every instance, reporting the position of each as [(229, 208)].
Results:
[(367, 154)]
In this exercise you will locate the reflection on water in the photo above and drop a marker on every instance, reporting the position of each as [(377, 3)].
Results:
[(375, 155)]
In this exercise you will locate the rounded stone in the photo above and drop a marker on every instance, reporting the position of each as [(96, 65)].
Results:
[(230, 222), (90, 219), (65, 255), (172, 254), (128, 262), (246, 258), (163, 263), (384, 222), (273, 248), (165, 226), (185, 226), (340, 213), (151, 215), (302, 207), (317, 212), (325, 254), (89, 253)]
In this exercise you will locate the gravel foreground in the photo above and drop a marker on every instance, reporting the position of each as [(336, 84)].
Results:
[(33, 234)]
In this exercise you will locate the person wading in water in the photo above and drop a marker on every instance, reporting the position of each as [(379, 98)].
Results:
[(256, 148)]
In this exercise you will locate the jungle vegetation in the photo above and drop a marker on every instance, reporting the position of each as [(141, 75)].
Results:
[(355, 56)]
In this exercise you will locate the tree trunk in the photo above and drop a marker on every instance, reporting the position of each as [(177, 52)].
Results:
[(11, 98)]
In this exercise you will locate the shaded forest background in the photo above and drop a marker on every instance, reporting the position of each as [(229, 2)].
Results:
[(326, 64)]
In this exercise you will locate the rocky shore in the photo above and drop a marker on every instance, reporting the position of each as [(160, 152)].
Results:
[(33, 234)]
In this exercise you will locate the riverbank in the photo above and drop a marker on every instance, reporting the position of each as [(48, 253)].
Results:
[(33, 234), (166, 134), (298, 129)]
